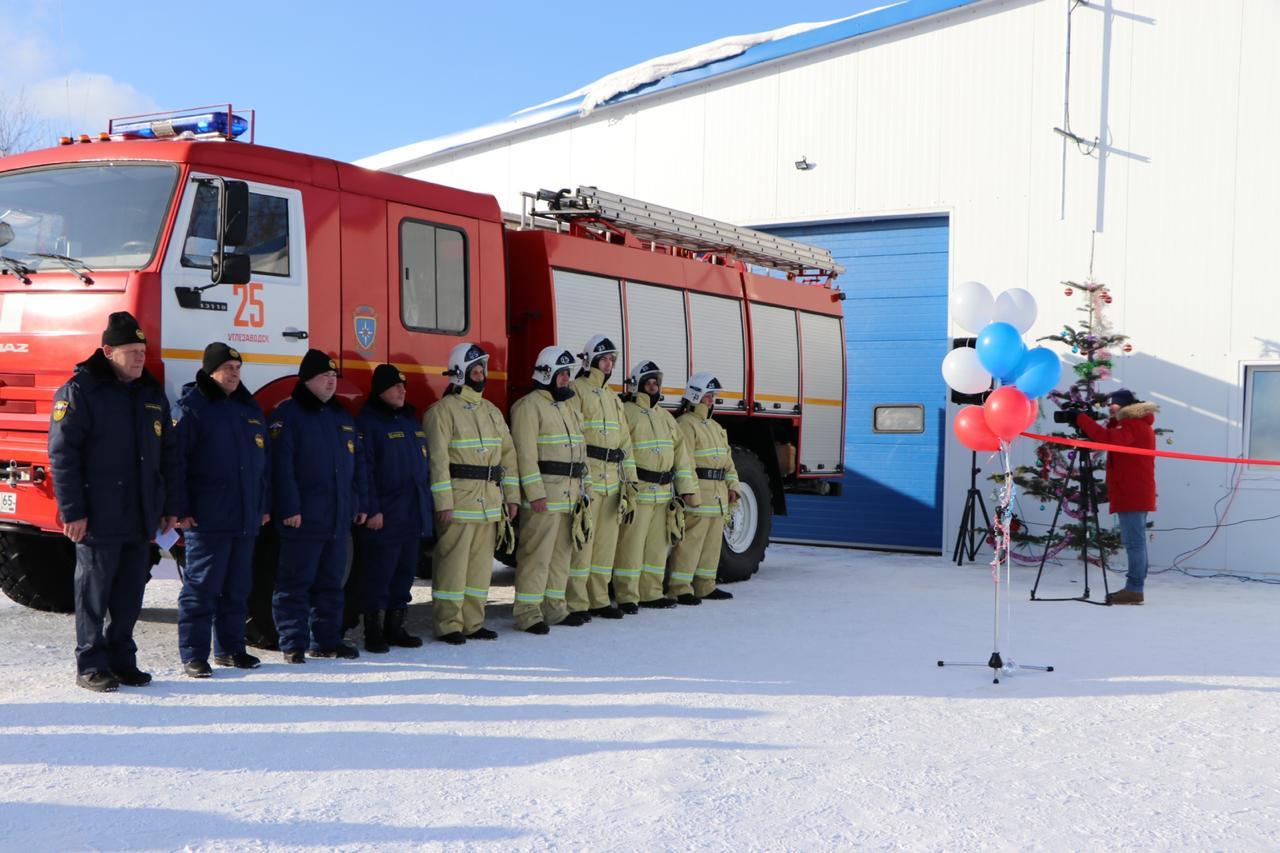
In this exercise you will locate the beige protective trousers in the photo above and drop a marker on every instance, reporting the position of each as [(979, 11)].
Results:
[(591, 567), (461, 569), (696, 558), (542, 567), (642, 556)]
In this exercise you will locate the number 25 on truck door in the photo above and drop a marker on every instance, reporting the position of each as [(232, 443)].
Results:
[(250, 299)]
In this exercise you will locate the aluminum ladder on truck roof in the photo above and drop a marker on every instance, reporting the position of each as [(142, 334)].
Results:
[(669, 227)]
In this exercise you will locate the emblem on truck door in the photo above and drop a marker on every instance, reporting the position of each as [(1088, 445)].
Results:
[(366, 321)]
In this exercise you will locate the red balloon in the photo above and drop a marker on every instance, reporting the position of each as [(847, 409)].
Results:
[(1033, 412), (971, 428), (1006, 412)]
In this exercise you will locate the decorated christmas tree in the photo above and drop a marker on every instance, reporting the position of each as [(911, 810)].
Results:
[(1055, 475)]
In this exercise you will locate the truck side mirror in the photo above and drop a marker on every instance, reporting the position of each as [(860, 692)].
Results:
[(233, 228), (6, 233), (230, 268)]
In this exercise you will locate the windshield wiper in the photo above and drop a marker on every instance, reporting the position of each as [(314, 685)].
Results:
[(16, 268), (76, 265)]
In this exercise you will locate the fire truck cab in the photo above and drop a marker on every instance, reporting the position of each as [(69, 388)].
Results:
[(204, 238)]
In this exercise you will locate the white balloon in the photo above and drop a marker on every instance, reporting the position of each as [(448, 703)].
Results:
[(972, 305), (1017, 307), (964, 373)]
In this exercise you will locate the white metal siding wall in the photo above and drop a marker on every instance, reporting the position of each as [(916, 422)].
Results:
[(656, 319), (983, 91), (587, 305), (821, 428), (717, 342), (776, 358)]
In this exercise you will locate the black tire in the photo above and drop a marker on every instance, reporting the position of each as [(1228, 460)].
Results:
[(740, 558), (38, 571)]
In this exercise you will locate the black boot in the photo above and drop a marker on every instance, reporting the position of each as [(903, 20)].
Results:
[(689, 599), (658, 603), (718, 594), (197, 668), (240, 660), (453, 638), (575, 619), (482, 634), (629, 607), (374, 639), (396, 634), (294, 657), (343, 651), (132, 677), (606, 612), (538, 628), (98, 682)]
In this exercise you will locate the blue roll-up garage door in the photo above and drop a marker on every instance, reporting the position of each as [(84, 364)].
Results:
[(895, 321)]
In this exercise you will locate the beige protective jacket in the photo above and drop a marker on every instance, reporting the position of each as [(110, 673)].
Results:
[(466, 429), (546, 431)]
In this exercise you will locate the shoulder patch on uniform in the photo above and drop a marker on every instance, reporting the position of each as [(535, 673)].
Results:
[(158, 428), (258, 440), (156, 406), (60, 409), (351, 446)]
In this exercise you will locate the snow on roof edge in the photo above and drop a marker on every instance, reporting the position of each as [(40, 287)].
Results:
[(673, 70)]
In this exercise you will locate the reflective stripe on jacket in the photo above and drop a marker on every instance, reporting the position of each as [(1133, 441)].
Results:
[(463, 428), (658, 445), (546, 431), (603, 425), (708, 446)]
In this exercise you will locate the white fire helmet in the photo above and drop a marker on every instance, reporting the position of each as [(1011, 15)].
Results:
[(551, 361), (699, 384), (461, 359), (642, 372), (596, 347)]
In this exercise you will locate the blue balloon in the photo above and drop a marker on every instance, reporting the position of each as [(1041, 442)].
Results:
[(1000, 349), (1039, 372)]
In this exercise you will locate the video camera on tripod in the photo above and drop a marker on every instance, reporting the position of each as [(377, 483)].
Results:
[(1068, 413)]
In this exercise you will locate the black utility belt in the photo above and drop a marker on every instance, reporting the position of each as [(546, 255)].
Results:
[(709, 473), (606, 454), (492, 473), (662, 478), (562, 469)]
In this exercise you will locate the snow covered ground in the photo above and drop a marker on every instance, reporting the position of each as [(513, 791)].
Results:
[(807, 714)]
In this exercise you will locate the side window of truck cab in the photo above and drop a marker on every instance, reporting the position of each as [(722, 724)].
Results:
[(267, 241)]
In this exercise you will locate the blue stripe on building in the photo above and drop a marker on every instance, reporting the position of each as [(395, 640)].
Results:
[(895, 336)]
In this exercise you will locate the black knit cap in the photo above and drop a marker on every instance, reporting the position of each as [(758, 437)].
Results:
[(1123, 397), (217, 354), (384, 377), (314, 363), (122, 329)]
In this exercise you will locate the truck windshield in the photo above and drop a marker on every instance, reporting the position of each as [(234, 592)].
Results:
[(103, 215)]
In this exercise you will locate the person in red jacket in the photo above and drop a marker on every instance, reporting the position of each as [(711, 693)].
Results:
[(1131, 481)]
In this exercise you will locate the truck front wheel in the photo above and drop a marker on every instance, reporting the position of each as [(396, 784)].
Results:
[(746, 534), (38, 571)]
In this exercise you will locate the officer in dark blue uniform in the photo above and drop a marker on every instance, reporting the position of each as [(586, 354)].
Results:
[(398, 501), (116, 477), (222, 437), (317, 492)]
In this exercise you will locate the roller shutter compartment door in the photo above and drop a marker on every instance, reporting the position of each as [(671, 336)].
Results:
[(776, 358), (588, 305), (718, 344), (656, 331), (895, 323)]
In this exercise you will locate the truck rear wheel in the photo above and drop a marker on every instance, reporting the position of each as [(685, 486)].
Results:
[(746, 534), (38, 571)]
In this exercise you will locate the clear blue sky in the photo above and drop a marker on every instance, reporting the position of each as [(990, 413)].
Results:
[(347, 79)]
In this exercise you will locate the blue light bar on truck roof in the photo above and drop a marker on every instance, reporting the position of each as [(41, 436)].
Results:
[(199, 123)]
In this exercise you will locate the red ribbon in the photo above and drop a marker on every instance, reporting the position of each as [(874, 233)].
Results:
[(1142, 451)]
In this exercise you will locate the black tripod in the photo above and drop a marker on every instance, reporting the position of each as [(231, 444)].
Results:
[(969, 518), (1082, 464)]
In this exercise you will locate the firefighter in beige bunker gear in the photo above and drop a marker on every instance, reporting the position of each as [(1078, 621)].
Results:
[(476, 493), (552, 455), (695, 559), (661, 460), (613, 479)]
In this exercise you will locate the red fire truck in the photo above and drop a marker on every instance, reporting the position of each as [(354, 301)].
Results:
[(205, 237)]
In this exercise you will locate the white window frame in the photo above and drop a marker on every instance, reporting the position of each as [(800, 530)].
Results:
[(1255, 476)]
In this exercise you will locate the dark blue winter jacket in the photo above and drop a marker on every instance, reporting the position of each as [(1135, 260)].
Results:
[(223, 442), (113, 453), (314, 453), (397, 481)]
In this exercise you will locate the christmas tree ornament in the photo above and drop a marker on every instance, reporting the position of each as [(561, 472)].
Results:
[(1128, 347), (1066, 291)]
